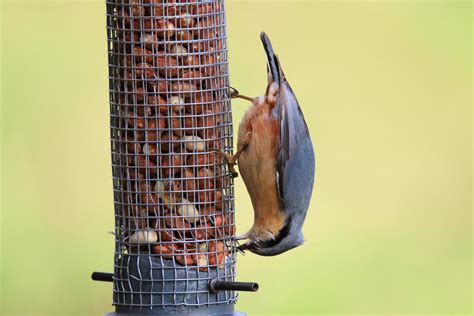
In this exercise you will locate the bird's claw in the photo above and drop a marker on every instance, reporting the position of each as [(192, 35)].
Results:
[(230, 161), (249, 245), (254, 242), (241, 237), (239, 249), (234, 94)]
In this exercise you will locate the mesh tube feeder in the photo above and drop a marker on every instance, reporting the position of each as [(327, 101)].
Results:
[(170, 115)]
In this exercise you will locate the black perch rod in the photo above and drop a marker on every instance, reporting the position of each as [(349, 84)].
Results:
[(102, 276), (217, 285)]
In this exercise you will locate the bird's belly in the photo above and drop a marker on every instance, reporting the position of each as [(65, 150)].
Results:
[(257, 165)]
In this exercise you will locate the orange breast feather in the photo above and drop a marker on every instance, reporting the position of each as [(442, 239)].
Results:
[(257, 165)]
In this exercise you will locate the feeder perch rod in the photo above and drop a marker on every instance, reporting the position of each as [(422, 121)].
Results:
[(217, 285), (102, 276)]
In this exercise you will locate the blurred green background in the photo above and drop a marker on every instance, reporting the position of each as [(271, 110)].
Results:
[(387, 93)]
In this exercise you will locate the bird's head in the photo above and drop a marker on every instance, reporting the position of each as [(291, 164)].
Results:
[(289, 237)]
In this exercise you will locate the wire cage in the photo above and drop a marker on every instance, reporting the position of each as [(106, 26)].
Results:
[(170, 116)]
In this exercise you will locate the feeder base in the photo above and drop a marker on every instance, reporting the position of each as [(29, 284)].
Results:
[(212, 310), (203, 311)]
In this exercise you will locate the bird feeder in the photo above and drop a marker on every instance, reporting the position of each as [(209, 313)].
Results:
[(170, 116)]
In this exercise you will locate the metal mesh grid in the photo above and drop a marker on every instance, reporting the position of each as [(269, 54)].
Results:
[(170, 113)]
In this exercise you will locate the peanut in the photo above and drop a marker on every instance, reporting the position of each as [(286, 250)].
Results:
[(144, 70), (206, 179), (185, 260), (168, 142), (183, 89), (192, 76), (150, 41), (194, 143), (177, 103), (189, 182), (158, 86), (143, 237), (141, 56), (165, 28), (169, 124), (184, 20), (188, 211), (174, 124), (167, 66), (182, 35), (146, 166), (203, 159), (179, 50), (170, 165), (165, 251), (133, 147)]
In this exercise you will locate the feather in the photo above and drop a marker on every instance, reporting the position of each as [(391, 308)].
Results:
[(293, 128)]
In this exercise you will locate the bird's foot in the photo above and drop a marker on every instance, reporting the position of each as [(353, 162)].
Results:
[(230, 161), (234, 94), (243, 236), (250, 244), (255, 240)]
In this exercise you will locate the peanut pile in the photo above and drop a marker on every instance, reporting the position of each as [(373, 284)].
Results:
[(169, 88)]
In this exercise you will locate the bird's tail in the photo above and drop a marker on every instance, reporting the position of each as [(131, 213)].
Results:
[(275, 74), (273, 62)]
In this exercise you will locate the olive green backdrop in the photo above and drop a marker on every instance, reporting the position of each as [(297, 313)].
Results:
[(386, 89)]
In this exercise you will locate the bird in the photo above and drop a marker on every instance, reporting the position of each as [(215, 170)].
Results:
[(276, 160)]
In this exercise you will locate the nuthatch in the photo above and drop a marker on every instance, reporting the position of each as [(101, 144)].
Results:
[(276, 160)]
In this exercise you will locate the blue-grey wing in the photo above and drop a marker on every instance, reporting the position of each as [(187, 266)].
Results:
[(296, 155)]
